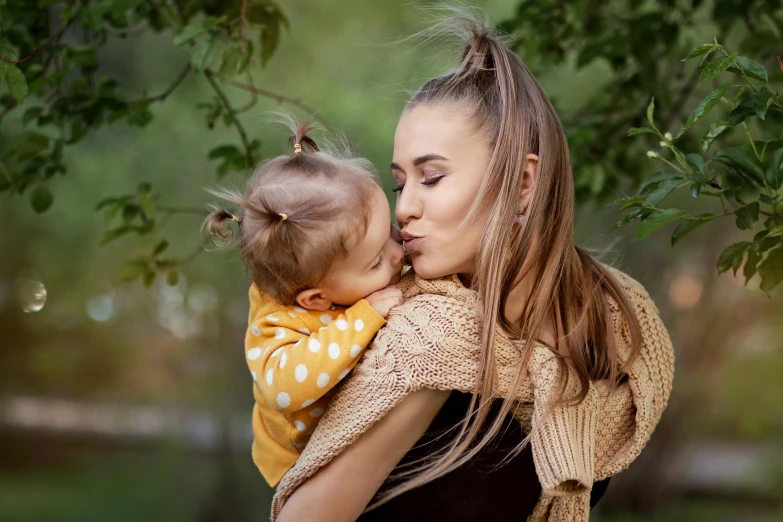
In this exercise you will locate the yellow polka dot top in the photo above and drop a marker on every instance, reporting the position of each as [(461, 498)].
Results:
[(296, 357)]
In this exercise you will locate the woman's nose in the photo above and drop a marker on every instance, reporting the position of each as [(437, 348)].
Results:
[(408, 206)]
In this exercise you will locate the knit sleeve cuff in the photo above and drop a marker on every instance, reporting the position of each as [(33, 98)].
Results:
[(563, 441)]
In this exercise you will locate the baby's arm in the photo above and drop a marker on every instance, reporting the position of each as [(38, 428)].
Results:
[(294, 367)]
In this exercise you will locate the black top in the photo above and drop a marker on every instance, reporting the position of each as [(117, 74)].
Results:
[(479, 490)]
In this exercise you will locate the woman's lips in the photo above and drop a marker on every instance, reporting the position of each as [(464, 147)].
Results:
[(410, 245)]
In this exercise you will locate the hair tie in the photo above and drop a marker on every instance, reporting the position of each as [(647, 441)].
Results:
[(297, 147), (234, 218), (283, 217)]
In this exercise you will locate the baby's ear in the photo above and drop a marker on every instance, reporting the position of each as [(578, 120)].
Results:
[(313, 299)]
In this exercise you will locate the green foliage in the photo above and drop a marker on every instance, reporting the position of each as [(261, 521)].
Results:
[(50, 74), (640, 46), (733, 175)]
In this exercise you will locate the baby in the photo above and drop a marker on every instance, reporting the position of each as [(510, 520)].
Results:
[(315, 238)]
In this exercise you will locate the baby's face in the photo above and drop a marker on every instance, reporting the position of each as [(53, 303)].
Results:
[(374, 263)]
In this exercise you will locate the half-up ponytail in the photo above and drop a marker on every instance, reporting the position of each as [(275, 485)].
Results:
[(570, 289)]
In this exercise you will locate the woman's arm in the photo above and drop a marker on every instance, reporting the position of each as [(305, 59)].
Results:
[(341, 490)]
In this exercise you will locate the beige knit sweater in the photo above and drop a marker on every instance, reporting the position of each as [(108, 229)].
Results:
[(432, 341)]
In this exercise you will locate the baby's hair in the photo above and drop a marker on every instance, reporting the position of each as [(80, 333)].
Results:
[(300, 213)]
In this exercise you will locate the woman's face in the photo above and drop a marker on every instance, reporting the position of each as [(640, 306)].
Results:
[(439, 164)]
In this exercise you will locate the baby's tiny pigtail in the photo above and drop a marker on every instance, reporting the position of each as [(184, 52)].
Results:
[(217, 228)]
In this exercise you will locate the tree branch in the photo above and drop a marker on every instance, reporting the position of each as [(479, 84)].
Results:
[(242, 22), (278, 98), (715, 185), (9, 60), (173, 87), (230, 110)]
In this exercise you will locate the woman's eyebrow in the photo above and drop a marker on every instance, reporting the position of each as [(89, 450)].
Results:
[(421, 159), (428, 157)]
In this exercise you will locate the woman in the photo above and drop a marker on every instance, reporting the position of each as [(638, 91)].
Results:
[(503, 305)]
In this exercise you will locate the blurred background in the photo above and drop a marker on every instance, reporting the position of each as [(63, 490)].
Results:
[(126, 402)]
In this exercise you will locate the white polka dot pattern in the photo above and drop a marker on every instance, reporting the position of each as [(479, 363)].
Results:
[(300, 373), (254, 353), (323, 380), (326, 318), (279, 333), (342, 374), (283, 400), (342, 325), (256, 330), (355, 351), (316, 412), (307, 403), (300, 425), (358, 325), (314, 345), (269, 377), (334, 350), (283, 359)]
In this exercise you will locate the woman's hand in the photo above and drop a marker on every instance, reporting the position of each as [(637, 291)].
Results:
[(341, 490)]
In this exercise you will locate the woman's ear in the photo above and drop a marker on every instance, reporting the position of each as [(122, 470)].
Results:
[(313, 299), (529, 178)]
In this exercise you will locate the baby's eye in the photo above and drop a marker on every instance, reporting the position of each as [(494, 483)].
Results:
[(377, 266)]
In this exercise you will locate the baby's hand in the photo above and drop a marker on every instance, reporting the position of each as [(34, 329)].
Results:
[(385, 299)]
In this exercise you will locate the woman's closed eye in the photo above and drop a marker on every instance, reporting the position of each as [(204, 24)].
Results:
[(428, 181)]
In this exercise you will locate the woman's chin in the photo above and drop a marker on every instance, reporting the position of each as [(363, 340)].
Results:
[(426, 270)]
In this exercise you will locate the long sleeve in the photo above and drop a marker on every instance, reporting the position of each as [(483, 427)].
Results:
[(563, 436), (293, 366)]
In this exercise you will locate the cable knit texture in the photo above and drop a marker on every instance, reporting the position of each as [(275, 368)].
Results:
[(432, 341)]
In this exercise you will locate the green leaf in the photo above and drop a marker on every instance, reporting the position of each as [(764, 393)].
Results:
[(658, 220), (659, 192), (147, 202), (172, 278), (229, 62), (658, 177), (688, 225), (202, 54), (695, 160), (149, 278), (715, 67), (195, 29), (743, 160), (129, 212), (762, 100), (771, 269), (747, 215), (130, 271), (16, 81), (650, 111), (752, 69), (732, 256), (700, 50), (160, 246), (715, 130), (633, 131), (746, 108), (704, 107), (41, 199), (114, 233), (774, 171), (749, 270), (225, 151), (31, 114)]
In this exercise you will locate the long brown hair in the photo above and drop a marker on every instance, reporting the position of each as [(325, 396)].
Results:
[(570, 289), (300, 213)]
